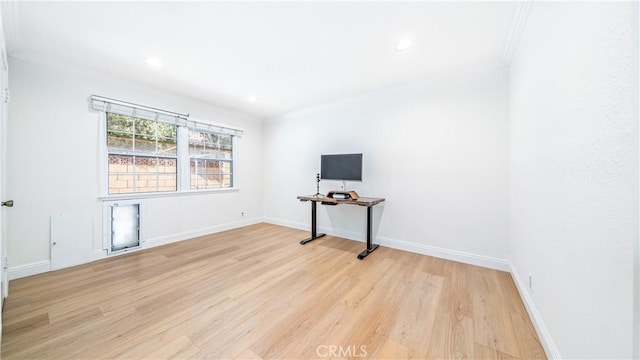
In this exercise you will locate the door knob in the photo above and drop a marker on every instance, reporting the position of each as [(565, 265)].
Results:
[(8, 203)]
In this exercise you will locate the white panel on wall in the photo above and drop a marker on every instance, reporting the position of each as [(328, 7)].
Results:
[(71, 240)]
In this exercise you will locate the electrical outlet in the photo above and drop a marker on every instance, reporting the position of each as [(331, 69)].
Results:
[(530, 281)]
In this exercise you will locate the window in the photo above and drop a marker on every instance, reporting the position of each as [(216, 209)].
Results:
[(210, 160), (142, 155), (147, 150)]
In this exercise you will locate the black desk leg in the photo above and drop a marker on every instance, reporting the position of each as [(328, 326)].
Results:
[(314, 234), (370, 245)]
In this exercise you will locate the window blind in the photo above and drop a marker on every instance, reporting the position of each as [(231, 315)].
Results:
[(216, 128), (104, 104)]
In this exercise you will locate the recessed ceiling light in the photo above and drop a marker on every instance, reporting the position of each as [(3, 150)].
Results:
[(252, 99), (154, 62), (403, 44)]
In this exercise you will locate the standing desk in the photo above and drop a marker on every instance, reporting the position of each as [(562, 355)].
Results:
[(361, 201)]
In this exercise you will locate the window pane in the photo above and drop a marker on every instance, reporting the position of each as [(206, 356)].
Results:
[(210, 174), (155, 137), (205, 181), (195, 150), (226, 181), (167, 165), (144, 144), (120, 174), (119, 142), (214, 181), (146, 128), (126, 133), (166, 130), (119, 123), (167, 135), (167, 146), (210, 167), (225, 167), (209, 145), (225, 154), (167, 182), (146, 182), (220, 153), (167, 174), (128, 173), (145, 165), (198, 143), (119, 132), (225, 140)]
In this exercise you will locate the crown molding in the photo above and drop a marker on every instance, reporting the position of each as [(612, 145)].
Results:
[(517, 28)]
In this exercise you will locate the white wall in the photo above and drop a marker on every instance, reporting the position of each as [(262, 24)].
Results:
[(437, 151), (52, 162), (574, 172)]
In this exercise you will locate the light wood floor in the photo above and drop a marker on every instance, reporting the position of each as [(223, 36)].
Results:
[(255, 292)]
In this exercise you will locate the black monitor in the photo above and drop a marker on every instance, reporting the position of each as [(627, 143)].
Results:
[(342, 167)]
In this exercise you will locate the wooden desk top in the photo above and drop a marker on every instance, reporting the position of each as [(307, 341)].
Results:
[(362, 201)]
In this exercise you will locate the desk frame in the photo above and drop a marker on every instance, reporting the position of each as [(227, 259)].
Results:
[(362, 201)]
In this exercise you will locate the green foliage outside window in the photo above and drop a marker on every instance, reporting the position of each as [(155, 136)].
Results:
[(130, 134)]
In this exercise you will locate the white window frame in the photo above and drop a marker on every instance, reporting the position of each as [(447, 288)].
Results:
[(232, 159), (105, 191), (183, 166)]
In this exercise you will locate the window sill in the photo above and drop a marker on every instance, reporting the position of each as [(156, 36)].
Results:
[(165, 194)]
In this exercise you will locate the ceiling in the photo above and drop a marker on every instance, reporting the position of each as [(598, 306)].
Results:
[(289, 55)]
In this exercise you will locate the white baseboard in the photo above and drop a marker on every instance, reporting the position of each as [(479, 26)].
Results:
[(168, 239), (163, 240), (453, 255), (287, 223), (44, 266), (543, 333), (351, 235), (460, 256), (25, 270)]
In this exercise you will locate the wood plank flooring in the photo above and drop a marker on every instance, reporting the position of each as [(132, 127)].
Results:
[(255, 293)]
